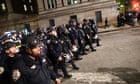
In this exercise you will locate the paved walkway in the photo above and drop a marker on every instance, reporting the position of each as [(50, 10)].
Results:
[(113, 28)]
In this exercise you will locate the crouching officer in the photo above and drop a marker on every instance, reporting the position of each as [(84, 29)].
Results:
[(32, 68), (8, 59)]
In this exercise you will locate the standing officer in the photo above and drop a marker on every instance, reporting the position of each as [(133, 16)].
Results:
[(73, 33), (8, 59), (94, 31), (88, 34), (81, 39), (32, 68), (66, 50), (55, 53)]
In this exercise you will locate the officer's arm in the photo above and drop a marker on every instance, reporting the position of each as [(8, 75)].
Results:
[(17, 78)]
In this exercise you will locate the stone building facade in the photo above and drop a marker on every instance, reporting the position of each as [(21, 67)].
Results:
[(57, 12), (96, 9)]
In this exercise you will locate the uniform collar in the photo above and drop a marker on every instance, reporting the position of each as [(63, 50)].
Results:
[(30, 62)]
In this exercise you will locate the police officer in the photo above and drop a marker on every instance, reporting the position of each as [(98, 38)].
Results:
[(88, 34), (66, 49), (81, 39), (32, 68), (74, 38), (94, 31), (8, 59), (55, 52)]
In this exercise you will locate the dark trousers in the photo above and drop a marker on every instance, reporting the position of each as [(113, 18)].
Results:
[(81, 47), (62, 67), (72, 63), (89, 42)]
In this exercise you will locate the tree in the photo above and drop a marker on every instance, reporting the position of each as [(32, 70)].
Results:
[(124, 5)]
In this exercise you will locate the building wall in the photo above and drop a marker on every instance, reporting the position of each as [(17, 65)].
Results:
[(61, 13), (85, 10)]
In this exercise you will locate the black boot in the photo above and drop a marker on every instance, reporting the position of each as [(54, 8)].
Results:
[(65, 72), (98, 44), (74, 65)]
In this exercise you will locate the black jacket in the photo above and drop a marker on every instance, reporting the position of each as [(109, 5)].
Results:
[(7, 63), (54, 48), (34, 71)]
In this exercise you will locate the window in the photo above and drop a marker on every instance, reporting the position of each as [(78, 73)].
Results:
[(31, 7), (52, 22), (25, 7), (98, 16), (70, 2), (50, 4), (3, 6)]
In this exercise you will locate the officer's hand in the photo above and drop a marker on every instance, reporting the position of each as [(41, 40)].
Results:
[(58, 81), (60, 58), (82, 41), (62, 42), (49, 41), (88, 36)]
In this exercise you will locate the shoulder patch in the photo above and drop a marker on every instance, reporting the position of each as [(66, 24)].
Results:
[(16, 75), (1, 70)]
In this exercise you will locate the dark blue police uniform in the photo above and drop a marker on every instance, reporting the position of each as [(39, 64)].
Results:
[(33, 71)]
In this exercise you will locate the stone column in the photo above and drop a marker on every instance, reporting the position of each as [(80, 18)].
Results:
[(65, 2), (46, 4), (59, 3), (55, 3), (41, 6)]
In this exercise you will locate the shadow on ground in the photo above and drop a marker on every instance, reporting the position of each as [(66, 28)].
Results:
[(129, 75)]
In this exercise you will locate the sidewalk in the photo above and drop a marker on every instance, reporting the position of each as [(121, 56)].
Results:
[(113, 28)]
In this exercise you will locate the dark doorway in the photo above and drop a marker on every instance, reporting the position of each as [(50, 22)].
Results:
[(74, 17), (98, 16)]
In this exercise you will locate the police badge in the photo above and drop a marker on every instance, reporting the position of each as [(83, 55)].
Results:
[(1, 70), (16, 75)]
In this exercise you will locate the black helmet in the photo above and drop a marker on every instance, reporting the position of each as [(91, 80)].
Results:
[(85, 20), (8, 44), (30, 41)]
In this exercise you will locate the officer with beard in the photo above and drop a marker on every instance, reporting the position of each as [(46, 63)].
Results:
[(32, 68)]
